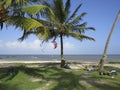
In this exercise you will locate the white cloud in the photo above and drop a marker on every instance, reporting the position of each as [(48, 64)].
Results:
[(35, 47), (12, 44), (23, 45), (69, 45)]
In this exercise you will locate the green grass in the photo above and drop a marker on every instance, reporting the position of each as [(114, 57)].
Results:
[(51, 77)]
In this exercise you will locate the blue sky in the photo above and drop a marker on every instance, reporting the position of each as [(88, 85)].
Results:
[(100, 14)]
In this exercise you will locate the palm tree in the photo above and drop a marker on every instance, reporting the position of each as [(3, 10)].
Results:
[(58, 22), (50, 21), (103, 59)]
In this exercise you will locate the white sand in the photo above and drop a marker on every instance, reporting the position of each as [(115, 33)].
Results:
[(28, 61), (48, 61), (74, 64)]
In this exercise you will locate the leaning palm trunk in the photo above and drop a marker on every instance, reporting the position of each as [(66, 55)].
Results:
[(103, 59), (62, 56)]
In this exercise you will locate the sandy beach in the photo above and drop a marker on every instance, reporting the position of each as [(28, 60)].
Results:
[(28, 61), (74, 64), (48, 61)]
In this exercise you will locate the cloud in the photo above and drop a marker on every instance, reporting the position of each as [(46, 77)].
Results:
[(69, 45), (34, 45)]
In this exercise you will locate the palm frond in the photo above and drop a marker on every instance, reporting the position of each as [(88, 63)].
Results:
[(1, 25), (44, 34), (81, 28), (8, 3), (81, 24), (24, 23), (48, 4), (67, 7), (15, 3), (90, 28), (80, 36), (59, 10), (35, 10), (74, 13), (77, 19), (25, 35), (1, 3), (21, 2), (44, 22)]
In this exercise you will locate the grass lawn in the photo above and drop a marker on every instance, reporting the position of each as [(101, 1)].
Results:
[(51, 77)]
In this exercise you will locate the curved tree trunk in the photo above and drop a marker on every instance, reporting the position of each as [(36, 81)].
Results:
[(62, 56), (103, 59)]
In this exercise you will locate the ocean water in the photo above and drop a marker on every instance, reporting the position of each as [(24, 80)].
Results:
[(57, 57)]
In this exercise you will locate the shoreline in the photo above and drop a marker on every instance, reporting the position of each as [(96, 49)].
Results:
[(74, 64), (48, 61), (2, 61), (28, 61)]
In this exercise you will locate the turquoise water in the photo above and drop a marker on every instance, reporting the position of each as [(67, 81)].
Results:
[(57, 57)]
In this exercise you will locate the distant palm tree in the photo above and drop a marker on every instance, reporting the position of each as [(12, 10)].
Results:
[(102, 60)]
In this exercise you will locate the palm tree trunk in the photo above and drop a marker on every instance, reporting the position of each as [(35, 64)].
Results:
[(103, 59), (62, 56)]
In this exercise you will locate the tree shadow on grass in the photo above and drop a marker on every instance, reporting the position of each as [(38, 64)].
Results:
[(72, 81), (101, 82), (7, 74), (63, 79), (40, 72), (103, 85), (68, 81), (11, 72), (48, 65), (7, 87)]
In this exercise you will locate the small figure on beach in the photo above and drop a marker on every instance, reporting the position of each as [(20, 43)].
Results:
[(112, 73), (66, 66)]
